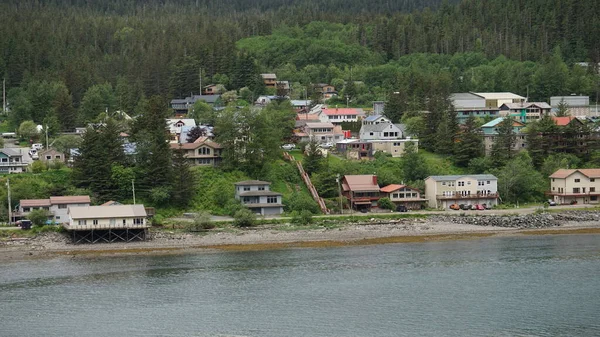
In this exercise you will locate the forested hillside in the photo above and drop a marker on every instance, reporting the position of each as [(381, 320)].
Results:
[(134, 48)]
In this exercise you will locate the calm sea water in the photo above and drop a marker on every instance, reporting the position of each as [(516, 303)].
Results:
[(527, 286)]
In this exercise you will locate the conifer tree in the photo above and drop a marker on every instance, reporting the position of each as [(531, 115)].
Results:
[(183, 180), (470, 144), (504, 146)]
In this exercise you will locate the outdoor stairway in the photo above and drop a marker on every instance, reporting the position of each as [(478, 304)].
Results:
[(309, 185)]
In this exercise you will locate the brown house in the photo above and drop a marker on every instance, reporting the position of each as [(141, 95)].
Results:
[(51, 155), (270, 80), (201, 152), (404, 195), (361, 191)]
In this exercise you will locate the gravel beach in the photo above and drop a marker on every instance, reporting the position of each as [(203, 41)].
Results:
[(368, 231)]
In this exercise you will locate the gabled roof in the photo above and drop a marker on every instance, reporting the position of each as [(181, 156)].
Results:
[(517, 106), (564, 121), (202, 141), (73, 199), (103, 212), (499, 120), (269, 76), (373, 118), (34, 202), (11, 152), (379, 127), (363, 182), (339, 111), (252, 182), (563, 173), (391, 188), (319, 125), (456, 177)]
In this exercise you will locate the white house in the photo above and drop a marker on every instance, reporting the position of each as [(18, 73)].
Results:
[(107, 217), (258, 197), (176, 125), (443, 191), (56, 206), (338, 115), (11, 161), (378, 127)]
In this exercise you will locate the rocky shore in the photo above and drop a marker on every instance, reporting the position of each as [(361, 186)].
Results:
[(363, 231)]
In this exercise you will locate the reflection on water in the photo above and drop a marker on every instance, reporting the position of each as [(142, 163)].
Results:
[(534, 286)]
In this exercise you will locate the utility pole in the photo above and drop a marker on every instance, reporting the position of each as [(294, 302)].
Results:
[(46, 136), (200, 78), (9, 203), (133, 189), (4, 95)]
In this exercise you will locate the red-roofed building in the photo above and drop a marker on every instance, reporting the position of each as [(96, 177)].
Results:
[(564, 121), (338, 115), (57, 207), (404, 195), (581, 186), (361, 191)]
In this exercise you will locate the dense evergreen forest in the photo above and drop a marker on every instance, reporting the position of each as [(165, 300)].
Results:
[(141, 48)]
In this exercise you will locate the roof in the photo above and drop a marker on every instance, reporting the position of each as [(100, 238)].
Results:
[(464, 96), (111, 203), (381, 127), (103, 212), (269, 76), (34, 202), (192, 99), (319, 125), (73, 199), (11, 152), (563, 121), (498, 95), (252, 182), (391, 188), (202, 141), (373, 118), (517, 106), (339, 111), (300, 102), (53, 151), (563, 173), (456, 177), (499, 120), (258, 193), (363, 182)]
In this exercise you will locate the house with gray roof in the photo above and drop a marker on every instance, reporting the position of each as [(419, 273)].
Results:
[(258, 197), (184, 105), (525, 112), (11, 161), (443, 191)]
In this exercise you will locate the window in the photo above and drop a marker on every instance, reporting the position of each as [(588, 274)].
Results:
[(592, 180), (443, 183), (461, 183), (138, 221), (57, 157), (575, 189), (594, 198), (592, 189), (468, 183), (271, 200), (62, 206), (576, 180), (95, 221), (26, 209), (261, 188), (82, 222), (48, 157), (112, 222), (246, 188), (480, 183), (488, 182), (124, 222)]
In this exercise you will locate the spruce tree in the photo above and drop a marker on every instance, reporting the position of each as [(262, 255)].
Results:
[(183, 180), (504, 147), (470, 144)]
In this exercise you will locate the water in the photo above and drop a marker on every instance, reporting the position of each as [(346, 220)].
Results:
[(519, 286)]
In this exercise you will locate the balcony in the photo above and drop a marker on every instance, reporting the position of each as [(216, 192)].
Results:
[(457, 196), (567, 194)]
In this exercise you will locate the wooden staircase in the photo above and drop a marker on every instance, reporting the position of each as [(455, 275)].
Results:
[(309, 184)]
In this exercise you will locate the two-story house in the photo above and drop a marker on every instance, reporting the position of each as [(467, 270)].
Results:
[(380, 127), (404, 195), (361, 191), (525, 112), (327, 91), (320, 133), (490, 132), (580, 186), (258, 197), (270, 80), (11, 161), (203, 151), (51, 155), (57, 207), (338, 115), (443, 191)]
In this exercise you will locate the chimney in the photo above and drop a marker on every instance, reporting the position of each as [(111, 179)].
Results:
[(374, 180)]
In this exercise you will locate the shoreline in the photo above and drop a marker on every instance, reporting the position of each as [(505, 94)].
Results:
[(55, 245)]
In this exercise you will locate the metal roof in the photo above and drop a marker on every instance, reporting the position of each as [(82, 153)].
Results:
[(73, 199), (104, 212), (498, 95), (252, 182)]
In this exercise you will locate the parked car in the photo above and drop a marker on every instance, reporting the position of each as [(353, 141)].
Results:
[(551, 202), (24, 224), (465, 207), (326, 145), (486, 206), (364, 210), (33, 154), (401, 208), (455, 207), (288, 147), (479, 207), (37, 146)]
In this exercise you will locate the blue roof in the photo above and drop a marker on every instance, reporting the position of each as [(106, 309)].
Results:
[(493, 123)]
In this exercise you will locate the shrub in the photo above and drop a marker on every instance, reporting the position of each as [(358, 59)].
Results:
[(202, 220), (385, 203), (38, 167), (303, 217), (244, 218), (38, 217)]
